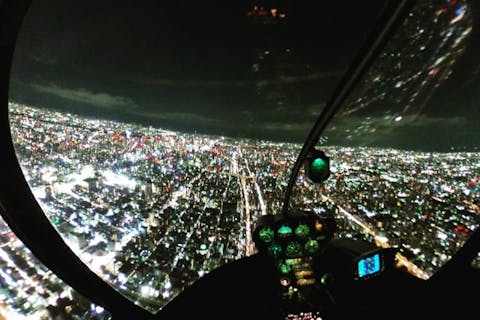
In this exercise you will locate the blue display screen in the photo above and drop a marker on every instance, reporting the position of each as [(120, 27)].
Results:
[(369, 265)]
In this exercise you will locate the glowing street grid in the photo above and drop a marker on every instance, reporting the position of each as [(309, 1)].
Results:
[(29, 291), (151, 210)]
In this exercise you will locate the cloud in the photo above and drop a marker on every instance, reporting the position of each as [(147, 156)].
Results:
[(290, 127), (182, 118), (236, 83), (103, 100), (43, 59)]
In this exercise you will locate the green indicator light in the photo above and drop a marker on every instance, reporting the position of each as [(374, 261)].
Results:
[(284, 268), (311, 246), (284, 231), (318, 170), (275, 250), (302, 231), (266, 234), (203, 246), (294, 249), (319, 166)]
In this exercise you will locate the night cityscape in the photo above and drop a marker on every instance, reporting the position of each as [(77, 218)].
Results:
[(31, 291), (153, 192), (151, 210)]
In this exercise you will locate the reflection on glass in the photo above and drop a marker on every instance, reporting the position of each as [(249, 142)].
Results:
[(28, 290)]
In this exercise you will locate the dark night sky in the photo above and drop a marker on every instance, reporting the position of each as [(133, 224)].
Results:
[(188, 65)]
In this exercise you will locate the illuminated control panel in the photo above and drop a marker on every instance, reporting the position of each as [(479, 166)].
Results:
[(369, 266), (292, 242)]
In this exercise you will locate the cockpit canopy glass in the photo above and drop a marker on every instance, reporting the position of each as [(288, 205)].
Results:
[(153, 136)]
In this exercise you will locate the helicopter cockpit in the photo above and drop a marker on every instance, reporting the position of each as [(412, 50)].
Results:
[(267, 159)]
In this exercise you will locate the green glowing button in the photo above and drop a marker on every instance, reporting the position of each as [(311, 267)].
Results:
[(203, 246), (311, 246), (294, 249), (302, 231), (284, 268), (319, 165), (284, 231), (319, 169), (275, 250), (266, 234)]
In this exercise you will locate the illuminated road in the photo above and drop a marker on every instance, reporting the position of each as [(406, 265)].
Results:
[(249, 245), (263, 207)]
